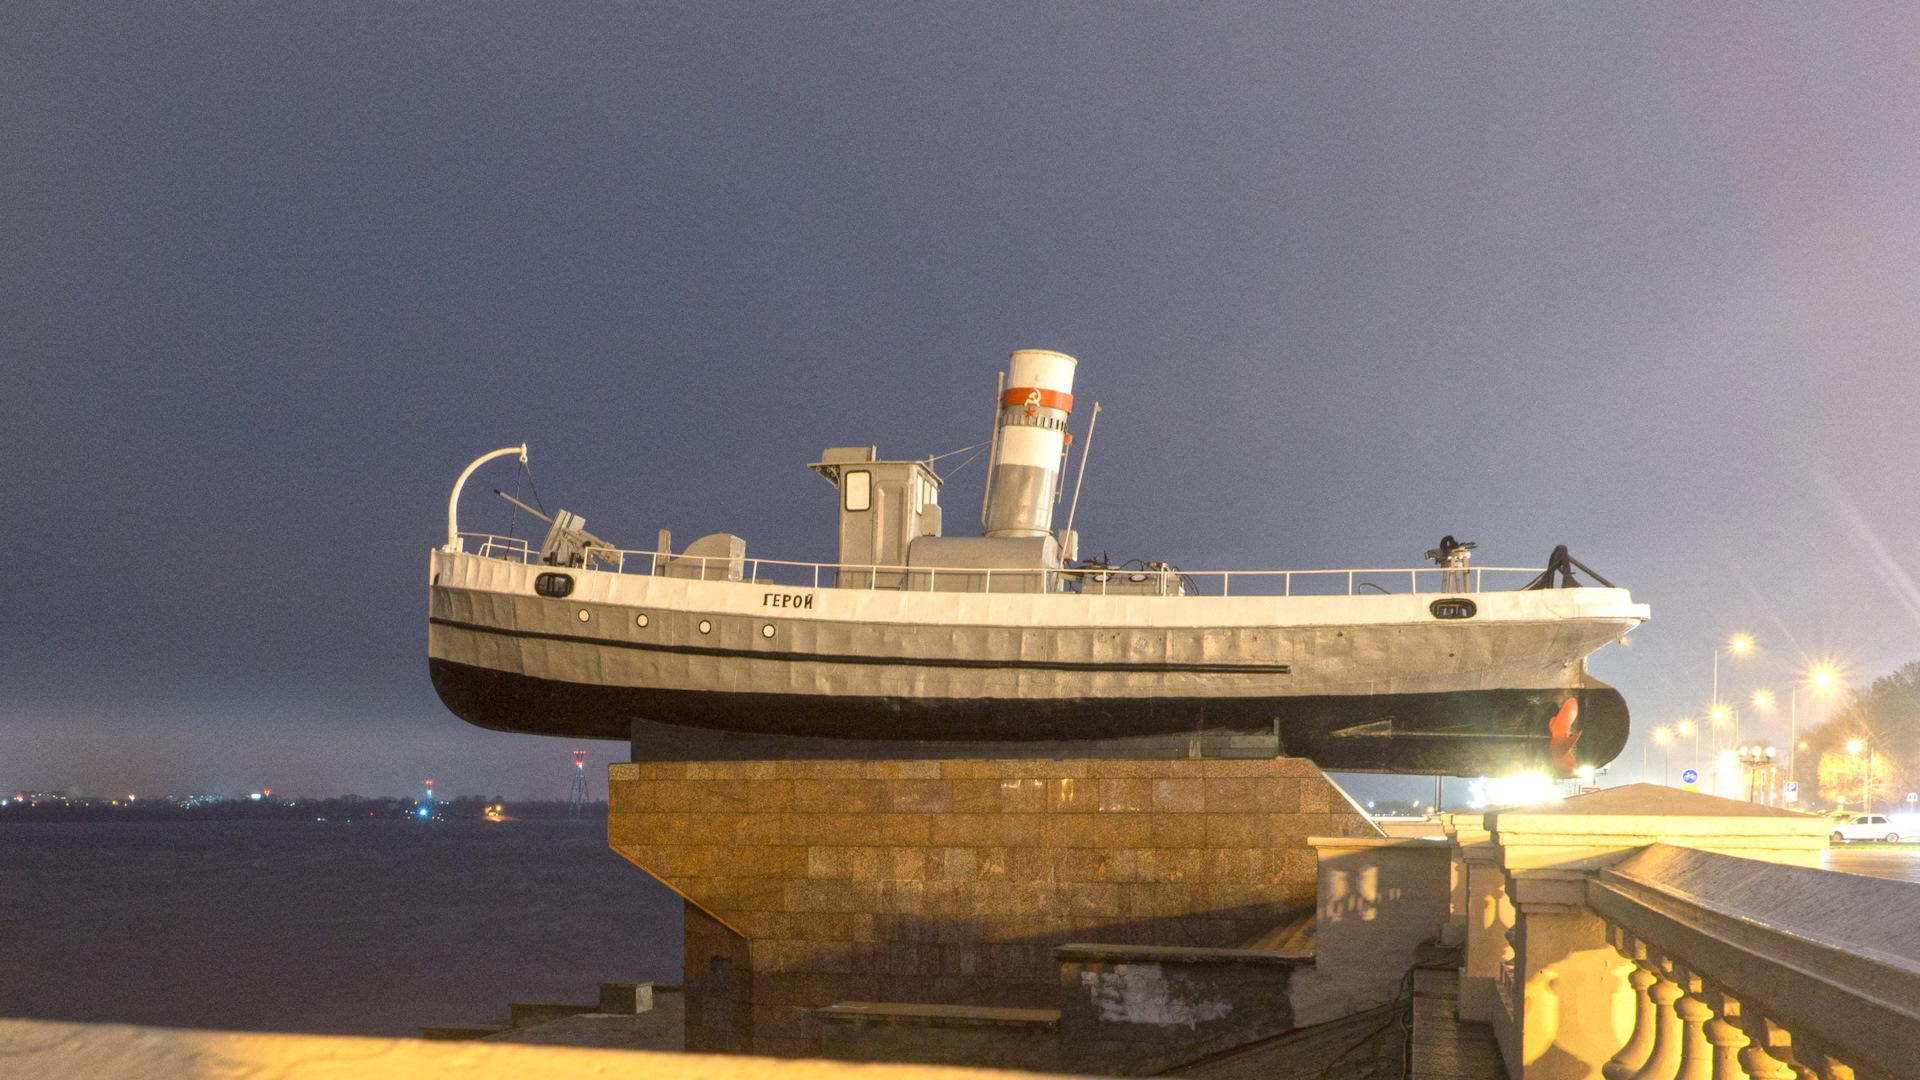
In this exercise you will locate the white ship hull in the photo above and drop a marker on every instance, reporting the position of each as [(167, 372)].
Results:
[(704, 669)]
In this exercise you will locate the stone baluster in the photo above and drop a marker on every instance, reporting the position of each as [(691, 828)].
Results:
[(1696, 1054), (1761, 1065), (1664, 1060), (1633, 1056), (1727, 1041), (1767, 1041)]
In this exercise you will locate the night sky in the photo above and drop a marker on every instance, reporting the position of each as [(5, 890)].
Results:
[(1640, 279)]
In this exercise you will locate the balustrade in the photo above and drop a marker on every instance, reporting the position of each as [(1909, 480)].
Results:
[(1687, 1027), (1658, 935)]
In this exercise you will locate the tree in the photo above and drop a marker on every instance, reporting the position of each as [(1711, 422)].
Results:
[(1883, 716), (1843, 776)]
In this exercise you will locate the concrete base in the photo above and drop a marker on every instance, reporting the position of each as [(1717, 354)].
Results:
[(950, 882)]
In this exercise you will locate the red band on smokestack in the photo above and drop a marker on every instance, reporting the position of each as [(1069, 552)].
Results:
[(1033, 395)]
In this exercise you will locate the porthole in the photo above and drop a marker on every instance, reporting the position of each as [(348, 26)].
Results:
[(1453, 608), (554, 586), (640, 619), (706, 627), (767, 630), (585, 615)]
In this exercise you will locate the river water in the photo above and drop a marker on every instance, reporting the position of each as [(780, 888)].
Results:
[(372, 928)]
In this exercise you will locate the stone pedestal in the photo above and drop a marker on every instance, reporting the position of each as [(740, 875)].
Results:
[(810, 883), (1380, 899), (1489, 915)]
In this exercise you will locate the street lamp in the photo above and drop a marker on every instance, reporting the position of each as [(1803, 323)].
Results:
[(1688, 727), (1821, 678), (1663, 736), (1758, 761)]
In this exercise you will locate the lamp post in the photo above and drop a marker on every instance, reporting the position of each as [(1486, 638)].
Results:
[(1719, 718), (1663, 736), (1737, 645), (1688, 727), (1758, 761), (1854, 747), (1820, 679)]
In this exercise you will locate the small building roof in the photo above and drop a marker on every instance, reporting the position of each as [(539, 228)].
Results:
[(1652, 800)]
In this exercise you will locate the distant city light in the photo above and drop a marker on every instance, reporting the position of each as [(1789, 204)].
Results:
[(1524, 790), (255, 796), (422, 811)]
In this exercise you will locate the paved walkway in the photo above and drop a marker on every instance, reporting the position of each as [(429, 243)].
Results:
[(1446, 1048)]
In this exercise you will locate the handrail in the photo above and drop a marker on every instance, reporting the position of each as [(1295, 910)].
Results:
[(910, 578), (1767, 936)]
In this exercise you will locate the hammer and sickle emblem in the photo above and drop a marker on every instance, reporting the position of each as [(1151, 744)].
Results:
[(1033, 401)]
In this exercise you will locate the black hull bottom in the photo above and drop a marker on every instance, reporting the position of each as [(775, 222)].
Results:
[(1461, 733)]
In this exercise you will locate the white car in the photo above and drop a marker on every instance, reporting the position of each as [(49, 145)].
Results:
[(1865, 827)]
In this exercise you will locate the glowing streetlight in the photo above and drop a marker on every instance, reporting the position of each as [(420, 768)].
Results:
[(1738, 645), (1763, 699), (1821, 678), (1661, 737), (1719, 718)]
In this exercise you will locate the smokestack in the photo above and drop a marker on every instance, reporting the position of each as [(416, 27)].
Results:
[(1032, 433)]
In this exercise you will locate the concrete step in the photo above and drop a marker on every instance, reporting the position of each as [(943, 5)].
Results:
[(461, 1032), (527, 1014)]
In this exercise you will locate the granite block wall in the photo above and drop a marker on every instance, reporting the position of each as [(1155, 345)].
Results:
[(950, 882)]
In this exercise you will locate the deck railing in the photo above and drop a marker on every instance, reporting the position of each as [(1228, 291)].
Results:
[(1100, 581)]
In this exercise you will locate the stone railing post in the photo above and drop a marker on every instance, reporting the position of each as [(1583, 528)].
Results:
[(1664, 1060), (1575, 1006), (1727, 1041), (1696, 1054), (1761, 1065), (1640, 1044), (1488, 917)]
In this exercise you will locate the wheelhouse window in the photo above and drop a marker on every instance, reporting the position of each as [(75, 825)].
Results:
[(859, 490)]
